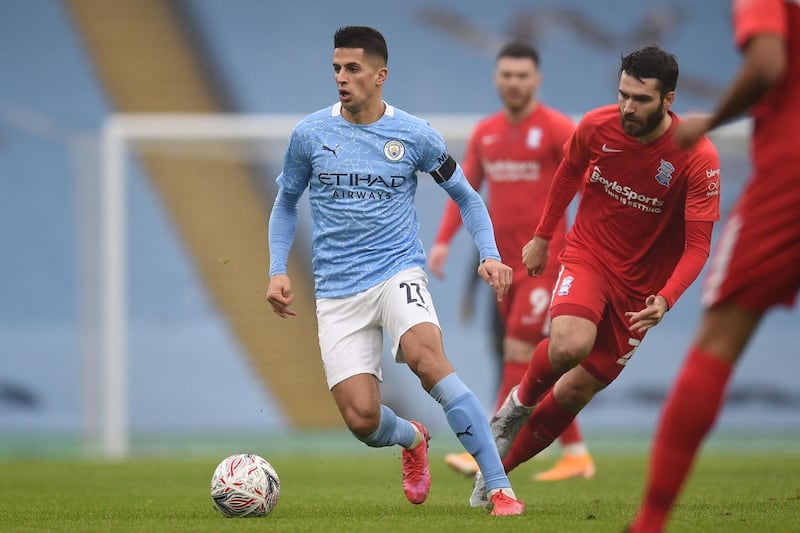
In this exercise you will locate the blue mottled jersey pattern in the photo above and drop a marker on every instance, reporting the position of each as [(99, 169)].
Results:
[(361, 181)]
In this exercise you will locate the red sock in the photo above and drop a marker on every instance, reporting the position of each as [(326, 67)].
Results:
[(571, 435), (688, 414), (539, 377), (545, 424), (512, 375)]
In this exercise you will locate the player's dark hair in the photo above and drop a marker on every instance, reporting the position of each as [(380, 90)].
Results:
[(652, 62), (364, 37), (519, 49)]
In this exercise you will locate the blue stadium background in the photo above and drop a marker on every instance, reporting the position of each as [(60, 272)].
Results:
[(275, 58)]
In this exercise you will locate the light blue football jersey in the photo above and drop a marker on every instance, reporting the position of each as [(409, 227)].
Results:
[(361, 181)]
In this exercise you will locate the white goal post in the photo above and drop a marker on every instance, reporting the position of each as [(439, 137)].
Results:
[(119, 131)]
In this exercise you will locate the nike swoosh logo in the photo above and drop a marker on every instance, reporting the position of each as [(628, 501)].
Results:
[(608, 150)]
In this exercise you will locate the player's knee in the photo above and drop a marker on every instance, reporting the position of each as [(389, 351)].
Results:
[(428, 362), (431, 370), (361, 423), (517, 351), (567, 353)]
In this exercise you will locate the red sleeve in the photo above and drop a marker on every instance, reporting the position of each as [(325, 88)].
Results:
[(752, 17), (698, 245), (702, 198), (473, 169), (566, 182)]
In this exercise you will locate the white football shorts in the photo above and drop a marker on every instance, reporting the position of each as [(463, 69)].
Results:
[(351, 328)]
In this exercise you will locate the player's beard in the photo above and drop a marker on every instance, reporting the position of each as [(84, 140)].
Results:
[(636, 128), (517, 102)]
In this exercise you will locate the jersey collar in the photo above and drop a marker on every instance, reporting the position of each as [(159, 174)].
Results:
[(336, 109)]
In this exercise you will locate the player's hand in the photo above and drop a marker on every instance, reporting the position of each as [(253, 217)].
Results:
[(650, 316), (535, 255), (436, 259), (280, 295), (691, 129), (497, 275)]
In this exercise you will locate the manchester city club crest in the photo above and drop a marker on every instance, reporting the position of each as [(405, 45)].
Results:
[(394, 150)]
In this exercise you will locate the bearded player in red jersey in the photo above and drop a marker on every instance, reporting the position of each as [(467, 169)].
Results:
[(516, 152), (755, 264), (641, 235)]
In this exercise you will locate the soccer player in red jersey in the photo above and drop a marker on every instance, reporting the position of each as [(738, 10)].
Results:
[(641, 235), (516, 152), (755, 264)]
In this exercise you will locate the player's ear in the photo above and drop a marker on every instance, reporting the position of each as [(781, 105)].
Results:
[(383, 73), (669, 99), (537, 78)]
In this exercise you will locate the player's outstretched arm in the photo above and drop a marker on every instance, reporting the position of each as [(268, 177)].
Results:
[(764, 64), (280, 295), (691, 129), (498, 275)]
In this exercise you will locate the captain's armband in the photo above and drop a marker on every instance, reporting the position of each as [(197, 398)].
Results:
[(444, 172)]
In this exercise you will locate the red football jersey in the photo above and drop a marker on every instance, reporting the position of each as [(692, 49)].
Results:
[(776, 136), (757, 256), (631, 217), (517, 160)]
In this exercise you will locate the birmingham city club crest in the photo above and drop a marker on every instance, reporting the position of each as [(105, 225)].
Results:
[(665, 171)]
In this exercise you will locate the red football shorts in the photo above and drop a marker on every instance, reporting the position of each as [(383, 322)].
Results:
[(583, 292), (525, 309), (756, 262)]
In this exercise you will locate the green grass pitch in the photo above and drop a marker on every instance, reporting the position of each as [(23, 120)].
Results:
[(728, 492)]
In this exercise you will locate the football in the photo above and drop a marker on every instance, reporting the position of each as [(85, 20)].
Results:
[(245, 485)]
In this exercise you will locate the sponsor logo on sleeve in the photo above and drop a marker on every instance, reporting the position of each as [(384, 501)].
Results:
[(713, 182)]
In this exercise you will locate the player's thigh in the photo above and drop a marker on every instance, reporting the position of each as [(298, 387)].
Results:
[(350, 336), (615, 344), (579, 302), (358, 398), (423, 352)]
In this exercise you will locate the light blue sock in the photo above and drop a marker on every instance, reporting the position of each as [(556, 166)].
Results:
[(391, 430), (466, 417)]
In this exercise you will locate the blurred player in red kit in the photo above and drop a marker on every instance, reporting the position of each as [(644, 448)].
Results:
[(755, 264), (516, 152), (641, 235)]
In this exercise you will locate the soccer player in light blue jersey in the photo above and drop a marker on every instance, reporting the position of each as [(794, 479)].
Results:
[(358, 159)]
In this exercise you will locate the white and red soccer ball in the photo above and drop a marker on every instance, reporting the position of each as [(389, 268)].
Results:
[(245, 485)]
